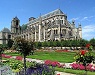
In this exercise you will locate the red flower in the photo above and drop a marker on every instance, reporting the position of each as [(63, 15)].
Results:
[(88, 45), (83, 52), (58, 74)]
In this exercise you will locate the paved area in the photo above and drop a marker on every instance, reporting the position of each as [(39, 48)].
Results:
[(63, 73)]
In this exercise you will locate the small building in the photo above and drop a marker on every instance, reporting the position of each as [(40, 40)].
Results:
[(5, 35)]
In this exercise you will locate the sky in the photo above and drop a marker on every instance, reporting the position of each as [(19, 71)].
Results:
[(82, 11)]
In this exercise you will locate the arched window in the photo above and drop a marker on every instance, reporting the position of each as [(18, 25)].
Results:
[(56, 31)]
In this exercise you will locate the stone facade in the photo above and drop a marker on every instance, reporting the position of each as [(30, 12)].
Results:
[(5, 35), (51, 26)]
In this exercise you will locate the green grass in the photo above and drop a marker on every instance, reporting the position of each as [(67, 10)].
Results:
[(77, 72), (64, 57), (61, 57)]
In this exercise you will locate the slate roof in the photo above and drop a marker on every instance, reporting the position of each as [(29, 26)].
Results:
[(55, 12), (24, 26), (6, 30)]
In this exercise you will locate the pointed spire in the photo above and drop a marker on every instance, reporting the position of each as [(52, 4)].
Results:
[(40, 21), (79, 25)]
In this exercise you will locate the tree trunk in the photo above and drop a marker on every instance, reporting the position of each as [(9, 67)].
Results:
[(24, 65)]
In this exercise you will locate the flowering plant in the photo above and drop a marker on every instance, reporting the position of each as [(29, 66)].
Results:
[(85, 57), (53, 63)]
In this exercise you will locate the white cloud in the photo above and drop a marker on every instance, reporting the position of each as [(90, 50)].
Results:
[(87, 18), (77, 18), (84, 18), (88, 31)]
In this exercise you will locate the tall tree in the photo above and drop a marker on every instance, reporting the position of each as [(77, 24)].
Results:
[(92, 42), (25, 48), (10, 43)]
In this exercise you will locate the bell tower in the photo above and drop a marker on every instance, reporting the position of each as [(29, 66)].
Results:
[(15, 26)]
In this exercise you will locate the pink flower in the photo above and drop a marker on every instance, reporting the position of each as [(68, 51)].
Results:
[(19, 58)]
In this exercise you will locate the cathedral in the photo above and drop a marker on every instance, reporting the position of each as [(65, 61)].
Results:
[(51, 26)]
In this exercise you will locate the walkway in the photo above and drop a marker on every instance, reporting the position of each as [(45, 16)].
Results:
[(62, 73)]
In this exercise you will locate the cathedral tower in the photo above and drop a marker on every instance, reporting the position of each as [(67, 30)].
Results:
[(15, 26)]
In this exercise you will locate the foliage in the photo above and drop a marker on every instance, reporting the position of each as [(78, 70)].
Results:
[(92, 42), (38, 45), (85, 57), (23, 46), (10, 43), (62, 43)]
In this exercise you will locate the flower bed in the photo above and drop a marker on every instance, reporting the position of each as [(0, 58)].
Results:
[(53, 63), (6, 56), (18, 58), (81, 67), (40, 69)]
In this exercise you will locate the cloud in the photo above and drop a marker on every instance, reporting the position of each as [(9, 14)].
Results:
[(88, 32), (87, 18), (77, 18), (84, 18)]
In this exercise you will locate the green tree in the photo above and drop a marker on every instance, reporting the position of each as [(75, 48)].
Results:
[(92, 42), (83, 43), (25, 48), (38, 45), (1, 52), (10, 43), (45, 44)]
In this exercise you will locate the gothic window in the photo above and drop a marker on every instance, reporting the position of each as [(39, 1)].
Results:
[(57, 21), (56, 31), (61, 21), (70, 33), (16, 22), (64, 31)]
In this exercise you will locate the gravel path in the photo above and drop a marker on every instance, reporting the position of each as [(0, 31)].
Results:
[(63, 73)]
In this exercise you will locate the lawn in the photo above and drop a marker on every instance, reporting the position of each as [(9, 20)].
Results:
[(65, 57)]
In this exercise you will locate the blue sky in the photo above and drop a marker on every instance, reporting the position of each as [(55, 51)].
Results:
[(82, 11)]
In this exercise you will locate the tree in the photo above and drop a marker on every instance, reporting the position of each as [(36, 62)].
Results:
[(10, 43), (25, 48), (1, 51), (92, 42), (45, 44), (83, 42), (38, 45)]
